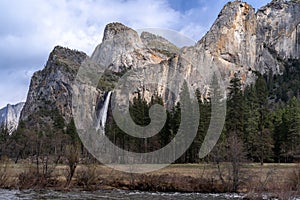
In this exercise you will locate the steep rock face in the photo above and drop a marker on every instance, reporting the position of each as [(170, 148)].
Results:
[(51, 88), (278, 33), (10, 115), (229, 47), (123, 49), (232, 38), (153, 58), (240, 41)]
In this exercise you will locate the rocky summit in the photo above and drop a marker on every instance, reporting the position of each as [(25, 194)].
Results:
[(50, 89), (241, 41)]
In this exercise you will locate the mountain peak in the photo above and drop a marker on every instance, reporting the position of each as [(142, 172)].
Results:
[(113, 29), (158, 43), (231, 38), (51, 86), (240, 41), (65, 52), (237, 7), (63, 57), (284, 1), (279, 4)]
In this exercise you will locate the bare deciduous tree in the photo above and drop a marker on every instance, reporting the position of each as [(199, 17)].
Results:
[(72, 155), (235, 155)]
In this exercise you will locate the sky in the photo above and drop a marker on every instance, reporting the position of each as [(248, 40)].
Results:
[(30, 29)]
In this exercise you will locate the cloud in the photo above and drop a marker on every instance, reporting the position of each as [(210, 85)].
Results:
[(30, 29)]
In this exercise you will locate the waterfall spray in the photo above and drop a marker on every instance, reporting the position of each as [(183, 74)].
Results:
[(102, 116)]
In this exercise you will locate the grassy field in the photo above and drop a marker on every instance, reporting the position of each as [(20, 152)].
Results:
[(280, 179)]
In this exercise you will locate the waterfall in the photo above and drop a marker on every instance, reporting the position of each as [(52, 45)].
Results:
[(102, 116)]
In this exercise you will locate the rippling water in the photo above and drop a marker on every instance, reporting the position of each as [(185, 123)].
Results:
[(116, 194)]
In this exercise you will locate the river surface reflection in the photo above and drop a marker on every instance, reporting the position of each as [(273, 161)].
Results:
[(115, 194)]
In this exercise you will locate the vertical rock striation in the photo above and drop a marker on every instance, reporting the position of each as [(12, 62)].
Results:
[(51, 88), (240, 41), (9, 117)]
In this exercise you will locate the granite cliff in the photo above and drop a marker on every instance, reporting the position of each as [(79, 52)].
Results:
[(9, 117), (240, 41), (50, 89)]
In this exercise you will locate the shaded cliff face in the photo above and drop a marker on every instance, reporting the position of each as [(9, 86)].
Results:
[(51, 88), (240, 41), (9, 117), (278, 34)]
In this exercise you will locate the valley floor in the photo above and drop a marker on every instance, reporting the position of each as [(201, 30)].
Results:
[(280, 180)]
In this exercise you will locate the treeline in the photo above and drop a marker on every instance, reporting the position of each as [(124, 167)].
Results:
[(44, 141), (262, 121), (262, 125)]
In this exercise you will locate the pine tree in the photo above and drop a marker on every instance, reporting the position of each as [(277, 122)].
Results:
[(258, 138), (184, 105), (139, 111), (251, 116), (72, 132), (162, 138), (265, 142), (175, 120), (278, 133), (189, 122), (212, 116), (291, 123), (205, 115), (234, 129), (235, 108)]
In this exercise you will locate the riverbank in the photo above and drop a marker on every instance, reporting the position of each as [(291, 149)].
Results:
[(280, 180), (110, 194)]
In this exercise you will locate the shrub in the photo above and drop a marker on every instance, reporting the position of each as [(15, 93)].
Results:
[(33, 179), (294, 179), (3, 172), (87, 177)]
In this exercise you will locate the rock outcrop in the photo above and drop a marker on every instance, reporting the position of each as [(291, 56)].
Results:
[(278, 33), (9, 117), (240, 41), (231, 42), (122, 49), (51, 88), (159, 44)]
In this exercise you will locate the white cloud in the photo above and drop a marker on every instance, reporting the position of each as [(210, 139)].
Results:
[(30, 29), (77, 24), (194, 31)]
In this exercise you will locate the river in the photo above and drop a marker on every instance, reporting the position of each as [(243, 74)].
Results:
[(115, 194)]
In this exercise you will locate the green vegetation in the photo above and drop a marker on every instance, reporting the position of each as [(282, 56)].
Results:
[(164, 52), (109, 79), (264, 119), (262, 125)]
